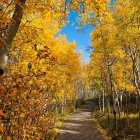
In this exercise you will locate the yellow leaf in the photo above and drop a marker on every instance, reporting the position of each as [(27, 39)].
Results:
[(22, 115), (30, 82)]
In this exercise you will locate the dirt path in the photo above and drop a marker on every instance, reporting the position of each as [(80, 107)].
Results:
[(80, 126)]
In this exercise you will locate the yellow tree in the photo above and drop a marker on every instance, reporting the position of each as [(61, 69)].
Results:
[(128, 27), (38, 80), (109, 57), (127, 23), (11, 14)]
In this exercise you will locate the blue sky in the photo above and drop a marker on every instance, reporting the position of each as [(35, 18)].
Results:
[(82, 38)]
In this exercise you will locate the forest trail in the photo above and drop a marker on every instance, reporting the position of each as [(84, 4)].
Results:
[(80, 126)]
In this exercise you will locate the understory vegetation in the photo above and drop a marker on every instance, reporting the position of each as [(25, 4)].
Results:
[(127, 122)]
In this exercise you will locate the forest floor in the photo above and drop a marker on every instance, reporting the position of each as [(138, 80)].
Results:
[(80, 125), (127, 127)]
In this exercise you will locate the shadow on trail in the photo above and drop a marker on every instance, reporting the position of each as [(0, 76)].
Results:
[(80, 126)]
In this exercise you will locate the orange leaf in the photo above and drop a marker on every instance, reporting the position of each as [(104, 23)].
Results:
[(1, 129), (16, 1), (2, 114), (2, 87), (11, 95), (8, 138), (2, 94)]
